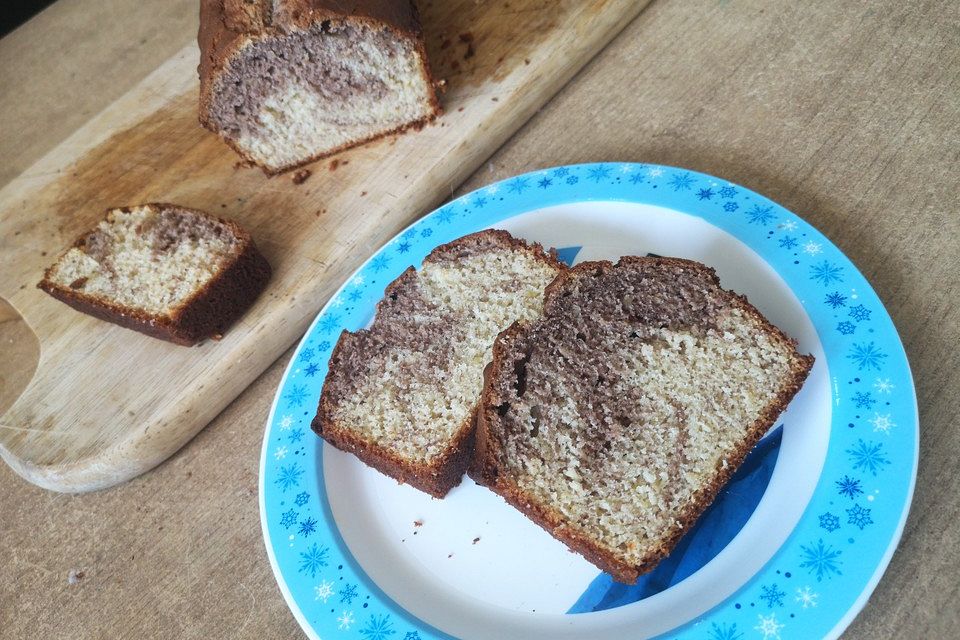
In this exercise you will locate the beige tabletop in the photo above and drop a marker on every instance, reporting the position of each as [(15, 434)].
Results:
[(847, 113)]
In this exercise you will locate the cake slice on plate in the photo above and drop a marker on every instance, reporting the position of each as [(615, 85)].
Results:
[(285, 82), (613, 419), (401, 395)]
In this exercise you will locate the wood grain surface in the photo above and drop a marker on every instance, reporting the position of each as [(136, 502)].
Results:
[(846, 113), (105, 403)]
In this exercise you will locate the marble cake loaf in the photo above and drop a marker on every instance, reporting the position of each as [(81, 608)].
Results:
[(172, 273), (285, 82), (615, 418), (402, 394)]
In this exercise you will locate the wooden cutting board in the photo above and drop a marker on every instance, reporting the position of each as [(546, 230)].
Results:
[(106, 404)]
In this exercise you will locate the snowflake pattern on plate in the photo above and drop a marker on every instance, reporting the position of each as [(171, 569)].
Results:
[(822, 560), (870, 444)]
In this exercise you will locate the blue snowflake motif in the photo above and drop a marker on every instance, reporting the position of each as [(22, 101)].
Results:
[(681, 182), (518, 185), (572, 179), (312, 559), (312, 369), (307, 354), (302, 499), (289, 518), (859, 516), (544, 182), (788, 242), (378, 628), (868, 456), (730, 207), (307, 527), (727, 192), (412, 635), (760, 215), (598, 173), (825, 273), (863, 400), (329, 322), (636, 178), (408, 234), (866, 356), (772, 596), (821, 560), (561, 171), (445, 215), (403, 247), (850, 487), (296, 395), (380, 262), (426, 233), (348, 593), (479, 202), (355, 295), (323, 346), (724, 632), (846, 328), (829, 522), (859, 313), (704, 194), (295, 436), (836, 299), (288, 476)]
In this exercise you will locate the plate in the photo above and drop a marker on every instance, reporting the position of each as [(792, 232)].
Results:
[(792, 548)]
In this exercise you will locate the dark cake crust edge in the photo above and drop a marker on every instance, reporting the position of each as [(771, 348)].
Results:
[(447, 471), (218, 42), (208, 313), (484, 468)]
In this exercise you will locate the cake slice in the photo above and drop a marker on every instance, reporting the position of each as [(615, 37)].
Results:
[(285, 82), (401, 395), (172, 273), (614, 419)]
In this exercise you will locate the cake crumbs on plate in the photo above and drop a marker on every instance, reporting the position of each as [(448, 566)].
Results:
[(301, 176)]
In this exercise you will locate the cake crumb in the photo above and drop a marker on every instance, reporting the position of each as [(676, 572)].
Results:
[(476, 540), (334, 164), (363, 193), (495, 99), (75, 576), (449, 555), (526, 61), (460, 109), (418, 523), (301, 176)]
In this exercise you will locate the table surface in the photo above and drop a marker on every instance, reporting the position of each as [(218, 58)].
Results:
[(848, 115)]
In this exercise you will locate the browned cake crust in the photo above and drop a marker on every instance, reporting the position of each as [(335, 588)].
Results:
[(208, 313), (448, 469), (484, 468), (226, 26)]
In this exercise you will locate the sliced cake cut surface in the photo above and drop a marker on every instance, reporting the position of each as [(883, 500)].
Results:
[(614, 419), (401, 395), (287, 81), (173, 273)]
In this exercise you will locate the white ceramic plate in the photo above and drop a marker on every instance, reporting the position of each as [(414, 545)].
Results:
[(794, 552)]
